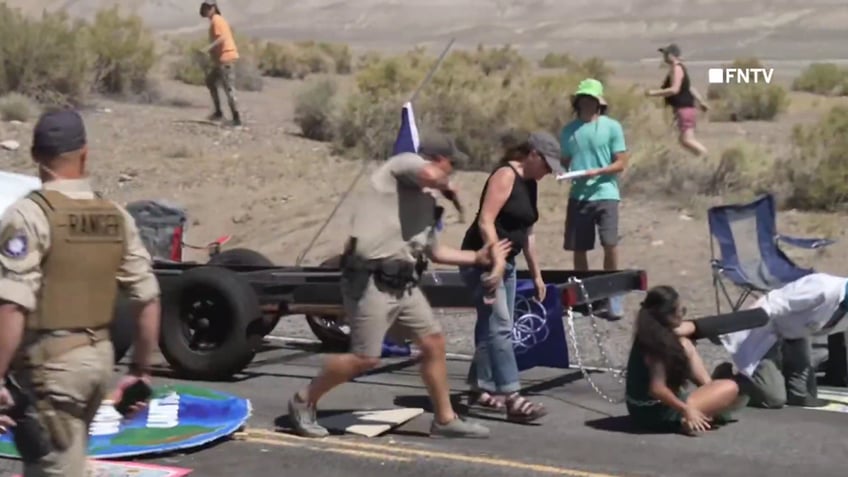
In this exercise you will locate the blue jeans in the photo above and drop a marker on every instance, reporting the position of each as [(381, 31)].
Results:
[(493, 368)]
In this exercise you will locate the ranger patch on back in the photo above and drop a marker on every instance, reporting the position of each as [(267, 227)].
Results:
[(94, 224)]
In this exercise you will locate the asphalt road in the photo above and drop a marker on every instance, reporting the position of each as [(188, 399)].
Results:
[(583, 436)]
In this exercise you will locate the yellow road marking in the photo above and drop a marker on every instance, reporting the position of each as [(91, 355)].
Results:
[(397, 448), (351, 452)]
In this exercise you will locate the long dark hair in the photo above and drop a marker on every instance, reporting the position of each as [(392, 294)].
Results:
[(655, 335)]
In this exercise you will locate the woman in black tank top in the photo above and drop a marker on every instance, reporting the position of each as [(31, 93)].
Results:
[(507, 211), (678, 93)]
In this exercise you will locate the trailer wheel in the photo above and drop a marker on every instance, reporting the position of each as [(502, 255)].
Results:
[(122, 329), (210, 324), (332, 331), (250, 258)]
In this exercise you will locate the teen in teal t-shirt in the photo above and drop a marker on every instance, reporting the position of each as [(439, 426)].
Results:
[(592, 145)]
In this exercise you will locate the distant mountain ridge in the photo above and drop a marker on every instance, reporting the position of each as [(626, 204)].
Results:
[(614, 29)]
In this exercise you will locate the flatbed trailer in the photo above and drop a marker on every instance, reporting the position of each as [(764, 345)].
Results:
[(215, 315)]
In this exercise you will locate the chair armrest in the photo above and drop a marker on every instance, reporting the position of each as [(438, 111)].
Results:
[(806, 243)]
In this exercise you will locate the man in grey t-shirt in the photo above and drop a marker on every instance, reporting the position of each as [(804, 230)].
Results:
[(393, 236)]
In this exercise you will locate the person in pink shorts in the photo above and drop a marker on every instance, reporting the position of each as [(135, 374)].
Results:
[(684, 99)]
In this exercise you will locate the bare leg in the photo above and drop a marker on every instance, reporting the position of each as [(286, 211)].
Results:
[(434, 373), (581, 260), (337, 370), (688, 141)]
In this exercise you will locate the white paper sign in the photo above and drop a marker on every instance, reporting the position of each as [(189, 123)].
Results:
[(567, 176), (14, 186)]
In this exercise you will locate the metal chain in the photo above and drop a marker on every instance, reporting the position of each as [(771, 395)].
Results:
[(620, 373)]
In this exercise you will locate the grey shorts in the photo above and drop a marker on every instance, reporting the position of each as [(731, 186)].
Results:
[(583, 217), (373, 312)]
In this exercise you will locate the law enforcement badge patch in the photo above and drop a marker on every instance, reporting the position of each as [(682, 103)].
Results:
[(16, 246)]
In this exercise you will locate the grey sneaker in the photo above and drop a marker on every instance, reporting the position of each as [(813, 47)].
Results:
[(459, 428), (304, 419)]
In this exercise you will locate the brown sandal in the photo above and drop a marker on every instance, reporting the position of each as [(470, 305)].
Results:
[(520, 409), (489, 402)]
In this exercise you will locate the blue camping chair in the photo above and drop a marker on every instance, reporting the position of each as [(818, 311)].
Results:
[(749, 247)]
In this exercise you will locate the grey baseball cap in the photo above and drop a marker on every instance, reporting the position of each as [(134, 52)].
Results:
[(671, 49), (548, 146), (438, 144)]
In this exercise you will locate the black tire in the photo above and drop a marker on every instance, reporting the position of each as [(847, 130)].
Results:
[(249, 258), (122, 328), (225, 309), (240, 256), (330, 330)]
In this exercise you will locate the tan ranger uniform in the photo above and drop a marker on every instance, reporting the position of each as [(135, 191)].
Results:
[(61, 250)]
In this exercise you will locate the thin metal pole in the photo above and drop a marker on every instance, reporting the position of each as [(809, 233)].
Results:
[(366, 163)]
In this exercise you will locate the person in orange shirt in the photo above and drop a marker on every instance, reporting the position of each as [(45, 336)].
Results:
[(224, 54)]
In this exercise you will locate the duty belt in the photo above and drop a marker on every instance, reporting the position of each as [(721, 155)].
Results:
[(398, 274)]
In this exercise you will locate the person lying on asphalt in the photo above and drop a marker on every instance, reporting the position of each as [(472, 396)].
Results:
[(775, 360)]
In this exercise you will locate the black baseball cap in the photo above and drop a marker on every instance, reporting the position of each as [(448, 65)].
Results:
[(438, 144), (58, 132), (671, 49)]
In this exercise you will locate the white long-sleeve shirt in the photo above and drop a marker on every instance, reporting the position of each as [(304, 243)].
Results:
[(800, 309)]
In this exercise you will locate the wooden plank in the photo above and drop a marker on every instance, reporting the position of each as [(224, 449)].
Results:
[(370, 423)]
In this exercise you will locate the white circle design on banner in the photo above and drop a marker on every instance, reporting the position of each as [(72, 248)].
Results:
[(530, 325)]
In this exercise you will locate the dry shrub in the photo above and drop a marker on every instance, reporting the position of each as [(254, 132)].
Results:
[(124, 52), (557, 60), (659, 167), (192, 64), (297, 60), (43, 58), (314, 110), (593, 67), (17, 107), (58, 61), (476, 96), (817, 169), (823, 78), (747, 102)]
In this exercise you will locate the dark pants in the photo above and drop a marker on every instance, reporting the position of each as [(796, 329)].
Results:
[(785, 374), (223, 76), (584, 218)]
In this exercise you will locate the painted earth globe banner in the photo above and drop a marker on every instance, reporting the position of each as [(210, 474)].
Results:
[(178, 417)]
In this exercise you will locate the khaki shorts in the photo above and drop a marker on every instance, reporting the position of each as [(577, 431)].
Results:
[(374, 311), (76, 382)]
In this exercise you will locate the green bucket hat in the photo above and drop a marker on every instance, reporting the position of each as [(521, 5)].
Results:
[(590, 87)]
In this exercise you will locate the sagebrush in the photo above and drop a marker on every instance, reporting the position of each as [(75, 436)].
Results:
[(59, 61), (747, 102), (823, 78), (476, 96)]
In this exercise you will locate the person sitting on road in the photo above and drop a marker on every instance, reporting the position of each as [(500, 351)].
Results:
[(507, 211), (662, 360), (775, 360)]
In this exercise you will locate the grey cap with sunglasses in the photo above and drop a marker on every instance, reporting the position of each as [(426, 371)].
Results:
[(547, 145)]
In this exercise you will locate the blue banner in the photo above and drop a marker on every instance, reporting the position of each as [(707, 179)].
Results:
[(538, 334), (178, 417)]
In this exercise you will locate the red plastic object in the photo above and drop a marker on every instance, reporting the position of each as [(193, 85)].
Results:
[(177, 245)]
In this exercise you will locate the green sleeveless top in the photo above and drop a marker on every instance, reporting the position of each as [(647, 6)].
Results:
[(638, 383)]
